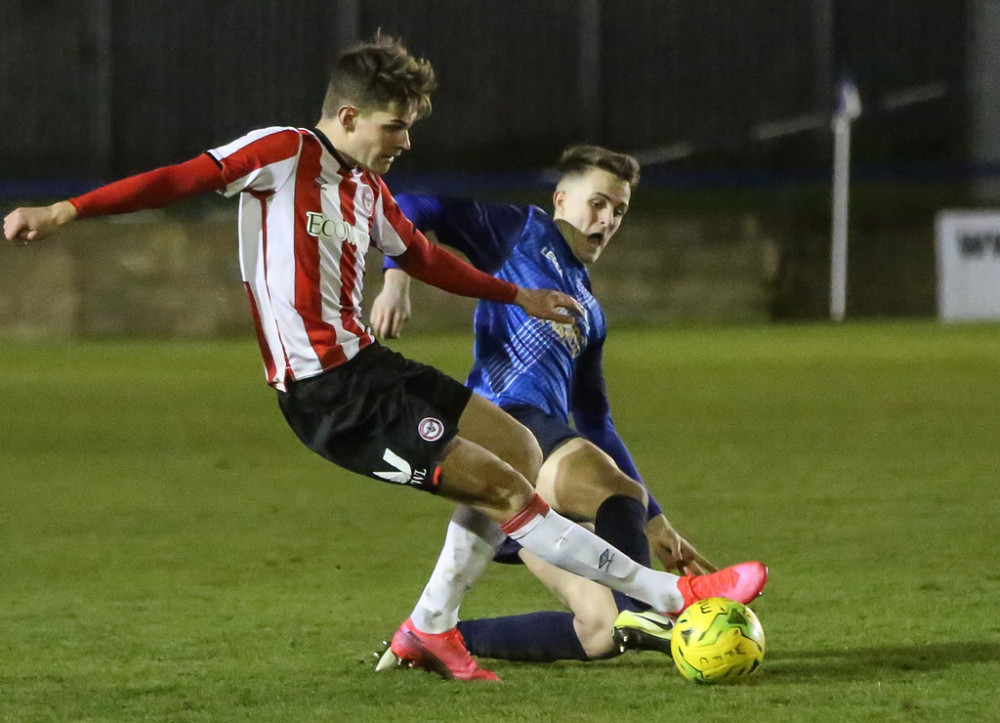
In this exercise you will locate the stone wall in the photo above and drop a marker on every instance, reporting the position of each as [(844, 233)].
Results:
[(151, 275), (142, 275)]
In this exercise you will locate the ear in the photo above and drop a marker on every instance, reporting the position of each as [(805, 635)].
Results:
[(557, 199), (347, 115)]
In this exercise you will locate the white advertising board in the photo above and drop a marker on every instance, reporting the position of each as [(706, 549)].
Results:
[(968, 265)]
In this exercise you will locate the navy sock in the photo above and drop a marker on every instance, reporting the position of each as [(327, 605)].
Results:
[(621, 520), (534, 637)]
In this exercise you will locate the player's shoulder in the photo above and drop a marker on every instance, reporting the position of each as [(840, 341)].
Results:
[(273, 142), (537, 222), (279, 134), (539, 215), (288, 137)]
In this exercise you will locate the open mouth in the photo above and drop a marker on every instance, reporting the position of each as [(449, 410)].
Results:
[(596, 239)]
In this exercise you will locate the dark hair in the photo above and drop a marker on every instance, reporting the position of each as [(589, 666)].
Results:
[(377, 74), (580, 159)]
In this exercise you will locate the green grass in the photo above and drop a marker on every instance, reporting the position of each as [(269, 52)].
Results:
[(168, 551)]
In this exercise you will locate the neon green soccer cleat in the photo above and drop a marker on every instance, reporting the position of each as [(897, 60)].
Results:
[(644, 630)]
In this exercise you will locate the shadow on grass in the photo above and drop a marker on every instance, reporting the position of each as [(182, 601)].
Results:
[(854, 663)]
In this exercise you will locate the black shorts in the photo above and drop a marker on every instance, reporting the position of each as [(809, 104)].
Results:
[(380, 415)]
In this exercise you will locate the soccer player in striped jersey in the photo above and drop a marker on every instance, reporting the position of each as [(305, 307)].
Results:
[(543, 372), (311, 202)]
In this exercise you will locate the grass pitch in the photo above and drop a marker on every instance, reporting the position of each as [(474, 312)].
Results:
[(168, 550)]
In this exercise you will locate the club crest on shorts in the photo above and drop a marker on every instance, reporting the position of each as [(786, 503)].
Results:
[(430, 429)]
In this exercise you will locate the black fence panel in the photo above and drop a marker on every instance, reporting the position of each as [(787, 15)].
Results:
[(100, 88)]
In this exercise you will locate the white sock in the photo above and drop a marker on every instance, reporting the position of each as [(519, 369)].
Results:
[(469, 546), (571, 547)]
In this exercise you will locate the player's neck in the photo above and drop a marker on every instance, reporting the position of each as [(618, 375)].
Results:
[(335, 134)]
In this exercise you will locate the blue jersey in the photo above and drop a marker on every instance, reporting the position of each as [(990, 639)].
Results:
[(520, 359)]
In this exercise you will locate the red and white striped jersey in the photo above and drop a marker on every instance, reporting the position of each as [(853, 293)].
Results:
[(306, 221)]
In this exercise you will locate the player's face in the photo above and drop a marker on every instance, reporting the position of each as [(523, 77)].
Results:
[(379, 137), (594, 204)]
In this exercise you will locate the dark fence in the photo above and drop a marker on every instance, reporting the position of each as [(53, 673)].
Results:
[(100, 88), (708, 93)]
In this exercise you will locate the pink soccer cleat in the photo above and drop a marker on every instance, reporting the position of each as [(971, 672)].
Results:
[(441, 653), (741, 582)]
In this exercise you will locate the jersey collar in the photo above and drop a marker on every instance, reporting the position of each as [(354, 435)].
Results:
[(329, 146)]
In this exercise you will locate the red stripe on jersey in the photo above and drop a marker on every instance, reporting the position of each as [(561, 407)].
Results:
[(404, 226), (376, 187), (348, 280), (308, 285), (348, 261), (347, 190), (265, 351), (367, 338)]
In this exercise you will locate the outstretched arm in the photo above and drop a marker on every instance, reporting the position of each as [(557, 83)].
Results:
[(153, 189), (484, 232), (436, 266), (29, 223), (391, 307)]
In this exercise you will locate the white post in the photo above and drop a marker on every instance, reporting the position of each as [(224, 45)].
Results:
[(848, 109)]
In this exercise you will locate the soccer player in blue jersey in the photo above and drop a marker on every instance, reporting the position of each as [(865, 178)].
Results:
[(542, 373)]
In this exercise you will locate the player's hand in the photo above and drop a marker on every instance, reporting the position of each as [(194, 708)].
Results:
[(549, 304), (673, 551), (391, 307), (28, 223)]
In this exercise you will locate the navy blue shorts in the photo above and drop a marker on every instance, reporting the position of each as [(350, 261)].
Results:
[(380, 415), (550, 431)]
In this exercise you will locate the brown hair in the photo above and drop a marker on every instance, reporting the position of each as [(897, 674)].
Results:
[(580, 159), (379, 73)]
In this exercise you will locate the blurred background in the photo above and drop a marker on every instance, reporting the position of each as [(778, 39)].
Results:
[(728, 104)]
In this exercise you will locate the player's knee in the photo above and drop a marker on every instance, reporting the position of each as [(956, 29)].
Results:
[(594, 628), (508, 492), (594, 615), (622, 484), (525, 455), (640, 492)]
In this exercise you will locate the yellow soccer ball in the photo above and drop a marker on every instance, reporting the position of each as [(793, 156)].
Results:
[(717, 640)]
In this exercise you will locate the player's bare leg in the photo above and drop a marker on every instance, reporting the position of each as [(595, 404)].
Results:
[(488, 426), (577, 477), (583, 482), (593, 607)]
